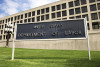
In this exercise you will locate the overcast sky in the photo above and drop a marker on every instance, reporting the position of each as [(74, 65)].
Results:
[(8, 7)]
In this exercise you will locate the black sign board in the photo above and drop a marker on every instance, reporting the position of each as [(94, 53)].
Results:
[(51, 30)]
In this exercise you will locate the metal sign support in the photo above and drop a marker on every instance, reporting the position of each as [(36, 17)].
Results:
[(88, 40)]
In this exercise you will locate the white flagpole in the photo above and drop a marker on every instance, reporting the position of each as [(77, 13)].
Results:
[(88, 40)]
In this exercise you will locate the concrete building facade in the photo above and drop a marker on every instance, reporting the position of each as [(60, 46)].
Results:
[(60, 10)]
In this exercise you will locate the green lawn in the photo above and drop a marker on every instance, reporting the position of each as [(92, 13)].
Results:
[(48, 58)]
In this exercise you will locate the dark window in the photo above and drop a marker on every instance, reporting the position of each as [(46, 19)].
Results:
[(64, 6), (94, 16), (33, 19), (11, 18), (64, 13), (25, 20), (91, 1), (53, 15), (93, 7), (58, 14), (53, 8), (25, 15), (77, 3), (29, 20), (85, 16), (77, 10), (29, 14), (95, 25), (83, 2), (42, 17), (22, 16), (17, 21), (98, 6), (38, 18), (47, 16), (18, 17), (71, 17), (88, 26), (71, 11), (33, 13), (21, 21), (8, 19), (47, 10), (58, 7), (99, 15), (78, 16), (64, 18), (42, 11), (0, 37), (15, 17), (38, 12), (71, 4), (84, 9)]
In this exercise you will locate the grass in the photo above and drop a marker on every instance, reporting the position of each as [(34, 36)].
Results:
[(48, 58)]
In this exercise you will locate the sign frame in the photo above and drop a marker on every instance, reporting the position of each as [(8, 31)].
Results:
[(85, 28)]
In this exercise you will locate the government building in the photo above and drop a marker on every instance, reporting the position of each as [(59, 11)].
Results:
[(60, 10)]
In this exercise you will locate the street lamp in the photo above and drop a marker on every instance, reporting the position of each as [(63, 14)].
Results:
[(8, 30)]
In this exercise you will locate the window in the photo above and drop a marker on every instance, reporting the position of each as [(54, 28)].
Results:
[(33, 19), (64, 13), (0, 37), (84, 9), (33, 13), (91, 1), (99, 15), (42, 11), (94, 16), (95, 25), (64, 18), (8, 19), (29, 14), (77, 3), (25, 20), (71, 4), (58, 7), (71, 11), (98, 6), (15, 17), (22, 16), (29, 20), (83, 2), (11, 18), (21, 21), (38, 18), (77, 10), (38, 12), (85, 16), (47, 16), (64, 6), (88, 26), (93, 7), (53, 8), (71, 17), (58, 14), (17, 21), (42, 17), (47, 10), (25, 15), (78, 16), (18, 17), (53, 15)]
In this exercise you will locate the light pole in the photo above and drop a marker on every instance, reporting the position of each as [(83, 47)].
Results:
[(8, 30)]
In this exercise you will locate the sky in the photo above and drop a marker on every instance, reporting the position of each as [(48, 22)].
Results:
[(9, 7)]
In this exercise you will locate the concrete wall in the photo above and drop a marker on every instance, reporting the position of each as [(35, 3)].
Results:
[(62, 44)]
